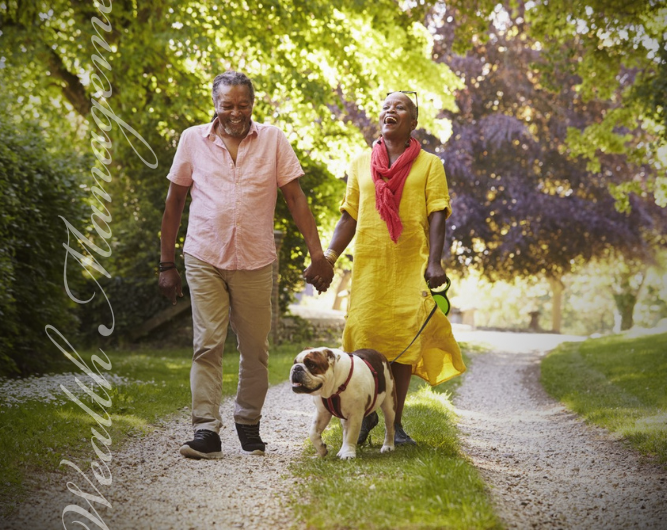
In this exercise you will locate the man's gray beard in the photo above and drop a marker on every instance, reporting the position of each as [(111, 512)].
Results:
[(229, 132)]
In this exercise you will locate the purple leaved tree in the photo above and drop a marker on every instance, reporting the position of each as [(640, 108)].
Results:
[(522, 204)]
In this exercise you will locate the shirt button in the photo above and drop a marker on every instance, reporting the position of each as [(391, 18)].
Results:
[(424, 293)]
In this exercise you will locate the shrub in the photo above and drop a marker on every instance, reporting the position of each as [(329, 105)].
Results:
[(37, 184)]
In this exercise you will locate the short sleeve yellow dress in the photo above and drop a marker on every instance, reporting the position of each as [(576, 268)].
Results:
[(389, 297)]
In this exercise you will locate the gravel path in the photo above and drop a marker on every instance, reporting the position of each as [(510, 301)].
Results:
[(154, 487), (545, 467)]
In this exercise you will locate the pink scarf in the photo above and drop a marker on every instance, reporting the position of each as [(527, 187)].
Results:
[(388, 193)]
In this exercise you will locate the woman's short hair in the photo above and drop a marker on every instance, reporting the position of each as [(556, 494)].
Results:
[(231, 78)]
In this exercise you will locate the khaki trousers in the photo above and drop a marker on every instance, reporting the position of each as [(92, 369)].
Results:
[(218, 296)]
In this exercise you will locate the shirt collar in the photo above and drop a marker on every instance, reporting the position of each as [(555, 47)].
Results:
[(208, 131)]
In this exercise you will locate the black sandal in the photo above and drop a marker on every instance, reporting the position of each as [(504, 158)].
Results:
[(367, 425)]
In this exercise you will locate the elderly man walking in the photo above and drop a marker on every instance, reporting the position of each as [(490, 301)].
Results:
[(233, 168)]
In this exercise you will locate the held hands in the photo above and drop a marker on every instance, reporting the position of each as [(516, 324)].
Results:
[(435, 275), (319, 273), (170, 285)]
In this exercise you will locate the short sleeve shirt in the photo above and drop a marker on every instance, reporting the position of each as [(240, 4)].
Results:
[(233, 205)]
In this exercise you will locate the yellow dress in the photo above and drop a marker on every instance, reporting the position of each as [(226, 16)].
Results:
[(389, 298)]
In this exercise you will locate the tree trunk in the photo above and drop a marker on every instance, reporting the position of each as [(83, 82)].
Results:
[(626, 290), (625, 303), (534, 325), (557, 303), (73, 90)]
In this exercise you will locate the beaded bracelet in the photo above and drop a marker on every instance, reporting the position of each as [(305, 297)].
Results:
[(331, 256), (166, 266)]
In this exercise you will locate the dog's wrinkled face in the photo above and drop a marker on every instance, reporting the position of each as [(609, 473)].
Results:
[(310, 369)]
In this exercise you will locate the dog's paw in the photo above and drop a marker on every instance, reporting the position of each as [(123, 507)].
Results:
[(322, 450), (387, 448), (347, 454)]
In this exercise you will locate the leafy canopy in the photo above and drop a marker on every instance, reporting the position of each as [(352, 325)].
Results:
[(152, 63)]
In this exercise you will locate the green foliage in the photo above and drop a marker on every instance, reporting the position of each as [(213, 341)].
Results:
[(37, 185), (617, 382), (600, 136)]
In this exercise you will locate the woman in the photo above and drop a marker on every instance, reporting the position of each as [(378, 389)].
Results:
[(397, 203)]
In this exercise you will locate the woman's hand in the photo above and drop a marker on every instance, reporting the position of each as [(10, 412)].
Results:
[(320, 274), (435, 275)]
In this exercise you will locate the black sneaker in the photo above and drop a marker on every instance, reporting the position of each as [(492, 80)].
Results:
[(401, 437), (367, 425), (251, 442), (205, 445)]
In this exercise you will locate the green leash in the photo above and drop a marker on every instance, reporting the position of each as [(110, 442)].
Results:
[(441, 301)]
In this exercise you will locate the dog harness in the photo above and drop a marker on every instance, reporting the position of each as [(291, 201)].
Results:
[(332, 403)]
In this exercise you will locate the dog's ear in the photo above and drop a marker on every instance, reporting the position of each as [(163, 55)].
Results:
[(331, 357)]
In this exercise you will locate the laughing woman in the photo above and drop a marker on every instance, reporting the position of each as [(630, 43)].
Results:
[(397, 203)]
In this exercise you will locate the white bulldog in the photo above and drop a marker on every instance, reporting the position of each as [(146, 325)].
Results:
[(349, 386)]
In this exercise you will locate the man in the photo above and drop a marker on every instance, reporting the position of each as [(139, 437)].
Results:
[(232, 167)]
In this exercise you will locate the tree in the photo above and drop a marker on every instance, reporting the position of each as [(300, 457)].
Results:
[(523, 205), (615, 52)]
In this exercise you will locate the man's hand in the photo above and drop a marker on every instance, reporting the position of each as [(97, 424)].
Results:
[(170, 285), (170, 280), (435, 275), (320, 273)]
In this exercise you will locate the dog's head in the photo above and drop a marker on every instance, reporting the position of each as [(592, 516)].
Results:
[(311, 369)]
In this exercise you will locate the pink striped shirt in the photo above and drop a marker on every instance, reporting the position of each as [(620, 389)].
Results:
[(233, 205)]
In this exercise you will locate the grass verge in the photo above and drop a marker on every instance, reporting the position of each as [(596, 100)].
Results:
[(35, 436), (431, 485), (618, 383)]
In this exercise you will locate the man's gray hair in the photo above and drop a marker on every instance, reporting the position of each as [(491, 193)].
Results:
[(231, 78)]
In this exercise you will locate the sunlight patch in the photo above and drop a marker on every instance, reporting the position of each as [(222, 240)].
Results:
[(425, 396), (46, 388), (652, 423)]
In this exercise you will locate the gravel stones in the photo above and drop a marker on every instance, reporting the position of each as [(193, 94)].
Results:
[(154, 487), (545, 467), (46, 388)]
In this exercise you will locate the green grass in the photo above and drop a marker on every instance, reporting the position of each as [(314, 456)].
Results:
[(39, 435), (618, 383), (431, 485)]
